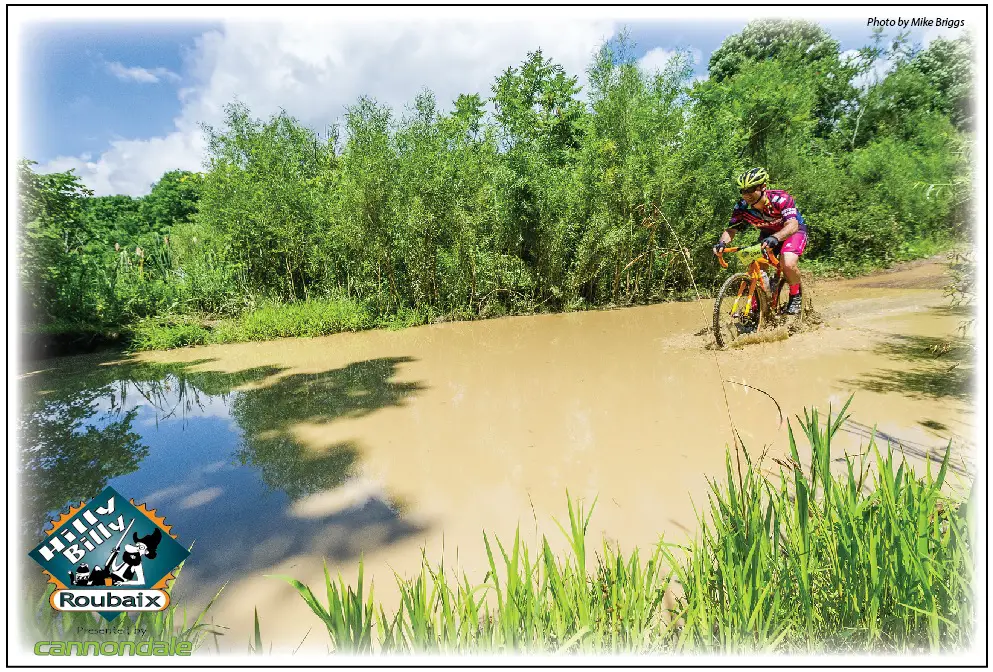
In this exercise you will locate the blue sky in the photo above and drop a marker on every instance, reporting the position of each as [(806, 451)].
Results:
[(76, 105), (121, 103)]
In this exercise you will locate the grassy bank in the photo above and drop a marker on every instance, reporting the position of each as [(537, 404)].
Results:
[(321, 317), (875, 560), (871, 557)]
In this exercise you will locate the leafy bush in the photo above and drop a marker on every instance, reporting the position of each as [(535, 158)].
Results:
[(546, 202), (310, 318)]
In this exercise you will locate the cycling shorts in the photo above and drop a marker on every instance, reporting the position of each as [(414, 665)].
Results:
[(796, 243)]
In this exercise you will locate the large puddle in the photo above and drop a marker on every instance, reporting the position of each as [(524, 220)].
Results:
[(276, 456)]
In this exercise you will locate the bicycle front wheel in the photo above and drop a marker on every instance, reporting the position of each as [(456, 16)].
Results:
[(730, 318)]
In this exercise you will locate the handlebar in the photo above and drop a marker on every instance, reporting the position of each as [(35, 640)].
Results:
[(720, 255), (767, 253)]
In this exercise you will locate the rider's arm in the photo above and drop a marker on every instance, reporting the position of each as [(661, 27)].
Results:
[(733, 227), (792, 226), (791, 214)]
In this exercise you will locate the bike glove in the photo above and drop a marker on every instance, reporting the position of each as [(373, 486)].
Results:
[(770, 241), (719, 247)]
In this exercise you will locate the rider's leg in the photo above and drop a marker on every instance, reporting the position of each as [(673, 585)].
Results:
[(790, 268), (790, 253), (790, 256)]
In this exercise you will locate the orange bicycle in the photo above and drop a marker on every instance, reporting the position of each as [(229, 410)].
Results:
[(751, 301)]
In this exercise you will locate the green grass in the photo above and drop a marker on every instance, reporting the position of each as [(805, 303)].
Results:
[(166, 333), (405, 317), (877, 559), (537, 603), (309, 318)]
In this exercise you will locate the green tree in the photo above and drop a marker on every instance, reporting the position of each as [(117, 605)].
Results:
[(947, 67), (258, 196), (799, 46), (765, 39), (53, 244), (172, 200), (115, 219)]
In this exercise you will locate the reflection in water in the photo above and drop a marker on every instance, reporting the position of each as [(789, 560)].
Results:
[(267, 415), (77, 428), (163, 433), (70, 450)]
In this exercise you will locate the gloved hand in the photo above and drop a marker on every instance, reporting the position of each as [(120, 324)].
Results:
[(719, 247), (770, 242)]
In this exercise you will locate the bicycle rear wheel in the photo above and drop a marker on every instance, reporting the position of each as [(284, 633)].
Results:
[(730, 319)]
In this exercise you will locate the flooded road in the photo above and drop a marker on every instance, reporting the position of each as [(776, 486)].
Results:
[(275, 456)]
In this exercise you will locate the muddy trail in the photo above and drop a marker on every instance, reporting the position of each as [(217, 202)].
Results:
[(375, 445)]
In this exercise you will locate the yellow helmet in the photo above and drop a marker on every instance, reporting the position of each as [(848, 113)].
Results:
[(752, 178)]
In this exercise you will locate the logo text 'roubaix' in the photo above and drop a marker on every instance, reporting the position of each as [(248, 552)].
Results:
[(90, 600)]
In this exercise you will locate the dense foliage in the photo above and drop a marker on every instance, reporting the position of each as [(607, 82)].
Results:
[(534, 198)]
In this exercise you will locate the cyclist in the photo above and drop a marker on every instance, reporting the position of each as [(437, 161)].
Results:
[(781, 227)]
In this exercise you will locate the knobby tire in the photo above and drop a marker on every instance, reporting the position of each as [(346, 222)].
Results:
[(725, 299)]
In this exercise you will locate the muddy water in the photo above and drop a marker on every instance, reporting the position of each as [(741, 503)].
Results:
[(275, 456)]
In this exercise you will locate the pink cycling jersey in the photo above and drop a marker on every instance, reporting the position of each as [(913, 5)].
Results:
[(778, 209)]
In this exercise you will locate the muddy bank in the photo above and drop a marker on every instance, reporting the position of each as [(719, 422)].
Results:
[(180, 331)]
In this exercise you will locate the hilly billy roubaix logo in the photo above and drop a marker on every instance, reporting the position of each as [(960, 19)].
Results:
[(109, 555)]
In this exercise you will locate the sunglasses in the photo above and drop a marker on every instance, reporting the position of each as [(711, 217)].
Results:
[(748, 191)]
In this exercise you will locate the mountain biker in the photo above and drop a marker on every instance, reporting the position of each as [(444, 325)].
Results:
[(781, 227)]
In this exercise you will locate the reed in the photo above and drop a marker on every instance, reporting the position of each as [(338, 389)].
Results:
[(872, 560), (876, 559)]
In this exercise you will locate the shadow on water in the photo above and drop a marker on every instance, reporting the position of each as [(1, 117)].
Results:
[(267, 415), (957, 463), (960, 310), (163, 433), (942, 368)]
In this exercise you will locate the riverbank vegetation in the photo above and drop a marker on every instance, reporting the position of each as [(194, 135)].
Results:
[(534, 196), (843, 555), (792, 560)]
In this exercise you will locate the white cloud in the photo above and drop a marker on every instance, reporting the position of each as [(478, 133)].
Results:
[(876, 73), (933, 33), (132, 166), (315, 69), (140, 75), (656, 59)]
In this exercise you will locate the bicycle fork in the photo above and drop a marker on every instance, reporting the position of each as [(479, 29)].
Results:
[(741, 292)]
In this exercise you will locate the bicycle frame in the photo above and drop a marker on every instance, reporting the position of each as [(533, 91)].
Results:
[(754, 271)]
